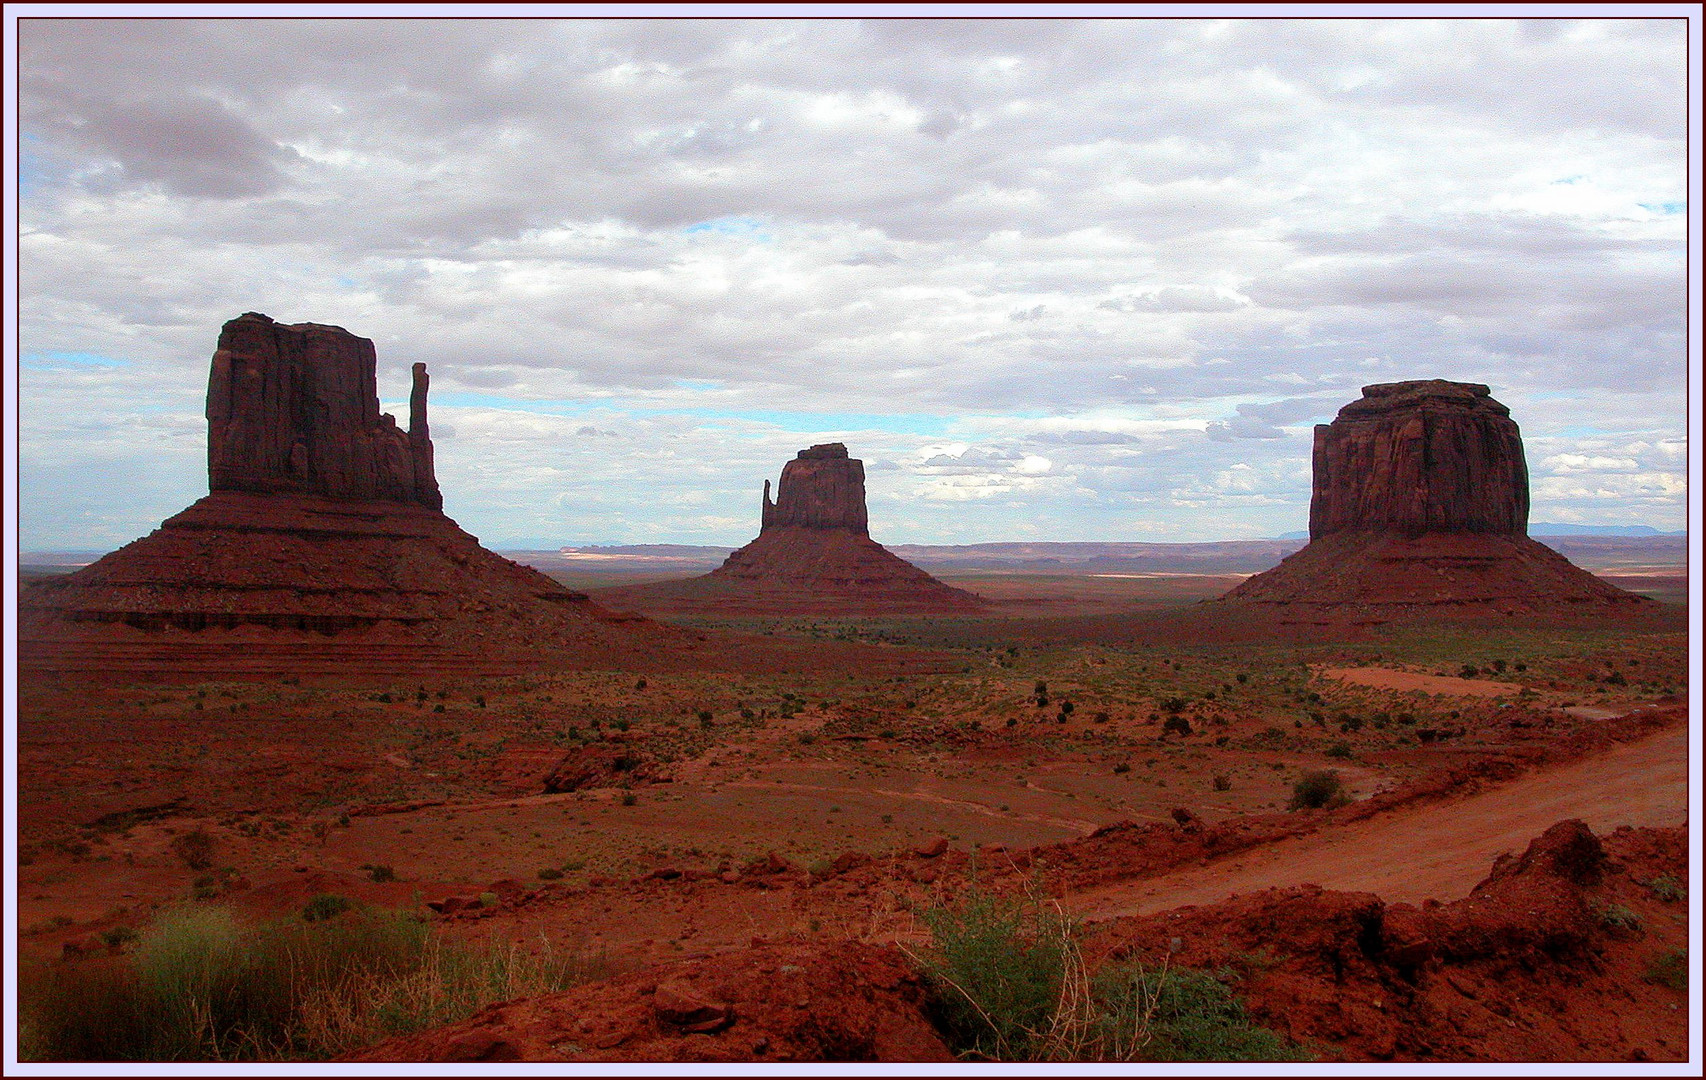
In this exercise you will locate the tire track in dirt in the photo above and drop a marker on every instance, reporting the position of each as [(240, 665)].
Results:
[(1438, 850)]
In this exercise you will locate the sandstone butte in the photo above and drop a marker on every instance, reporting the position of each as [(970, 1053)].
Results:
[(321, 547), (1420, 507), (813, 555)]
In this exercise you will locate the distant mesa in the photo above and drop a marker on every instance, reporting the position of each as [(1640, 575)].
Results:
[(813, 554), (1420, 506), (321, 547)]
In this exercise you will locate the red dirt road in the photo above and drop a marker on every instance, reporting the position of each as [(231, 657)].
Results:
[(1438, 850)]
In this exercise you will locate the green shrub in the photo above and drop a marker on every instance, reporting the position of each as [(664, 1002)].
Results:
[(1222, 783), (1669, 969), (324, 906), (1617, 918), (195, 849), (1009, 984), (380, 872), (1316, 789), (629, 798), (1667, 888), (1340, 749), (1179, 1014), (997, 968), (549, 873)]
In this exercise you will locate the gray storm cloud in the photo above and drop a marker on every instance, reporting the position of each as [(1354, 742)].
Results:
[(1087, 243)]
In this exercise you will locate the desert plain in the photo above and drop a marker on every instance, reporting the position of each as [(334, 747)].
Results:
[(819, 781)]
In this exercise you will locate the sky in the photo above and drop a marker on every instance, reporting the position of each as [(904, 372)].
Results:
[(1050, 279)]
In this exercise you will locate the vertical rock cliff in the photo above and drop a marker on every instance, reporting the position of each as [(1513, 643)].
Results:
[(321, 547), (1419, 457), (1420, 508), (296, 409)]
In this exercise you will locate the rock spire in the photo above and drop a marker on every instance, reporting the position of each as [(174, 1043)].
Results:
[(296, 409)]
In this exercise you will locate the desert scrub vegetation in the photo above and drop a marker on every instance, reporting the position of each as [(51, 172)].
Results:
[(1318, 789), (1669, 969), (1009, 983), (200, 985)]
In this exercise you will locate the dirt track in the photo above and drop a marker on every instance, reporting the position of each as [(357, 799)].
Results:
[(1440, 850)]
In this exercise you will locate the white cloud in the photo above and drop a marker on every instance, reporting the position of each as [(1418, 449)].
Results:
[(1086, 243)]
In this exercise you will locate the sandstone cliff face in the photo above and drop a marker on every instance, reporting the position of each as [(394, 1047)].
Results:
[(813, 554), (822, 488), (321, 548), (296, 409), (1420, 457), (1420, 509)]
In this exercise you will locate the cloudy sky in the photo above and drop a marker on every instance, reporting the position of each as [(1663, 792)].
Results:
[(1051, 280)]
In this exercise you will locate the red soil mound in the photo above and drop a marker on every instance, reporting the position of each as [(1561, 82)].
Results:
[(243, 583), (1546, 960), (791, 570), (1366, 577), (785, 1003)]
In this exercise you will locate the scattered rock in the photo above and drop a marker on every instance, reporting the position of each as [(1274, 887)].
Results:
[(932, 848)]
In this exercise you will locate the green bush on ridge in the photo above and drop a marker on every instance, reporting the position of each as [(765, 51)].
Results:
[(1009, 983)]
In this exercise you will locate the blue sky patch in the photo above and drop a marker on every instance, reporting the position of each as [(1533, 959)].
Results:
[(48, 361), (745, 227)]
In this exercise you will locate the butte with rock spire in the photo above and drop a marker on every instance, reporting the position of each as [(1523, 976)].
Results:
[(813, 555), (321, 547), (1420, 507)]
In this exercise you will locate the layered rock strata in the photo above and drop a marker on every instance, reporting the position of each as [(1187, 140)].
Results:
[(1419, 457), (320, 548), (296, 409), (813, 554), (1420, 507)]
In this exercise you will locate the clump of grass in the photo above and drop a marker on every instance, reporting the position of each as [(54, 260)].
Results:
[(195, 849), (323, 906), (1669, 969), (997, 965), (1339, 749), (1318, 789), (1667, 888), (380, 872), (1619, 919), (1181, 1014), (201, 986), (1222, 782), (1010, 984)]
